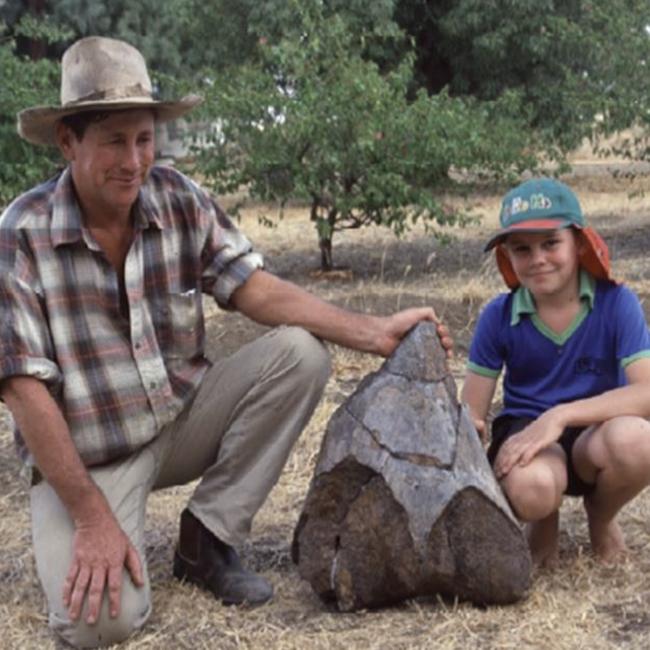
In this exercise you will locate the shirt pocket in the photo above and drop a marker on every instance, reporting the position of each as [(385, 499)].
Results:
[(181, 325)]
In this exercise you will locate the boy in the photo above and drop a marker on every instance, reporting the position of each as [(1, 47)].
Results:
[(576, 351)]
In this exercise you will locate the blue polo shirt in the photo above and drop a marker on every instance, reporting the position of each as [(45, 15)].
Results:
[(543, 368)]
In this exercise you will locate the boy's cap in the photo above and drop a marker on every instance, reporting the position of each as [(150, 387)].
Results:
[(538, 205)]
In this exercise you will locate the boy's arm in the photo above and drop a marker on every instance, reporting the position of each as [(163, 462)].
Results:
[(477, 393), (632, 399)]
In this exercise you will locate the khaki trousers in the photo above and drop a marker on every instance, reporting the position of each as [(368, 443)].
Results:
[(235, 436)]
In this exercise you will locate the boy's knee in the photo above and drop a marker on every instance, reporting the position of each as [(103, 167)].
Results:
[(534, 492), (134, 611), (627, 443)]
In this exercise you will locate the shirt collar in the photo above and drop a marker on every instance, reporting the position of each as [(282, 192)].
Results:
[(67, 225), (523, 302), (146, 212)]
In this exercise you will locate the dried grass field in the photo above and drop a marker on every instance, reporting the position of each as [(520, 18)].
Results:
[(580, 604)]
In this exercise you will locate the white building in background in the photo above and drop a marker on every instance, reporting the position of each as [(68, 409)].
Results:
[(176, 139)]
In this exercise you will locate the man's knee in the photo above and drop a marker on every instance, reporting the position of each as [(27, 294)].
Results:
[(310, 356), (134, 611)]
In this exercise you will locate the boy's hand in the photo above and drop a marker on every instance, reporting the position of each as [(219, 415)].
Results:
[(481, 428), (521, 448)]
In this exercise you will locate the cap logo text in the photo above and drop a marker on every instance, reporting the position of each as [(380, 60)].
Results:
[(536, 202)]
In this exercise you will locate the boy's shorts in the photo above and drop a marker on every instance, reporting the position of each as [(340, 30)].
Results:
[(506, 426)]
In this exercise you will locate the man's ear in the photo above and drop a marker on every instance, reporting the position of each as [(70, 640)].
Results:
[(64, 139)]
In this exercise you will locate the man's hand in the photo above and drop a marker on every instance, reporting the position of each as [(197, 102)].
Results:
[(100, 548), (100, 551), (395, 327), (522, 447)]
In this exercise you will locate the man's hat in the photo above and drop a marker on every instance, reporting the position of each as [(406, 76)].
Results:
[(99, 73), (538, 205)]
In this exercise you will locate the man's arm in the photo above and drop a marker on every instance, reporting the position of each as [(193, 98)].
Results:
[(632, 399), (100, 548), (269, 300), (477, 393)]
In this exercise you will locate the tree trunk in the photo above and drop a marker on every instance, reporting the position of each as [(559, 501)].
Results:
[(36, 49), (403, 502), (325, 245)]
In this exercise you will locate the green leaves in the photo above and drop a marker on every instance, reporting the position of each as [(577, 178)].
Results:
[(322, 100), (25, 83), (569, 62), (316, 120)]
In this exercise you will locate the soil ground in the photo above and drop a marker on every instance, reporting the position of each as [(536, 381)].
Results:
[(579, 604)]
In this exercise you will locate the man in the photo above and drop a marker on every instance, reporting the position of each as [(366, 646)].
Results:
[(102, 355)]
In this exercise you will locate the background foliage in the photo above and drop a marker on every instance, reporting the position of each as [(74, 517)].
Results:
[(25, 82), (367, 109), (314, 118)]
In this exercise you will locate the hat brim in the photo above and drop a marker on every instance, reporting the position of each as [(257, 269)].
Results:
[(36, 125), (532, 226)]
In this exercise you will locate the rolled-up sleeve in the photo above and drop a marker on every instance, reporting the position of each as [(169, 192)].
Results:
[(228, 256), (25, 342)]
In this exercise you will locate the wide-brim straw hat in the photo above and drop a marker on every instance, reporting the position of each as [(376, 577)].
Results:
[(99, 73)]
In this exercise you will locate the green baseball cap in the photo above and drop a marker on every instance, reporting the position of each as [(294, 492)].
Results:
[(538, 205)]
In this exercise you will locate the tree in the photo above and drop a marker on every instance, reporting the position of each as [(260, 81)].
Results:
[(318, 121), (329, 107), (570, 61), (182, 35), (563, 70), (26, 82)]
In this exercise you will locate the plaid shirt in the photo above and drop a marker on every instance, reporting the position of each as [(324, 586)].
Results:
[(117, 377)]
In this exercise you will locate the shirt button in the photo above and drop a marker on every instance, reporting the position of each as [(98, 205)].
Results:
[(138, 345), (559, 350), (152, 385)]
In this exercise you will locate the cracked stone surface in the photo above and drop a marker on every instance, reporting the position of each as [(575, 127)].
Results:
[(403, 502)]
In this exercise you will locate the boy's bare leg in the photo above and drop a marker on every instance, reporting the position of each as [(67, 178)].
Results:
[(535, 493), (616, 457), (543, 540), (606, 536)]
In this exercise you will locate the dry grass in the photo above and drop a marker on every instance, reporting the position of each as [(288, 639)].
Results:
[(578, 605)]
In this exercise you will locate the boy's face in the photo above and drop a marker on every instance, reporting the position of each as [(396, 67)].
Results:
[(545, 263)]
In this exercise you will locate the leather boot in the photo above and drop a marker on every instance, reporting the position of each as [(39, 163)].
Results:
[(204, 560)]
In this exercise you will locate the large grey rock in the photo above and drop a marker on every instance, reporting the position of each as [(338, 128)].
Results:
[(403, 502)]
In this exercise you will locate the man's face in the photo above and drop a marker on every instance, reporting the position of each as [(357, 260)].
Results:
[(111, 161)]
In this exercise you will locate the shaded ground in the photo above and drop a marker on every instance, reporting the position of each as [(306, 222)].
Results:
[(579, 605)]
